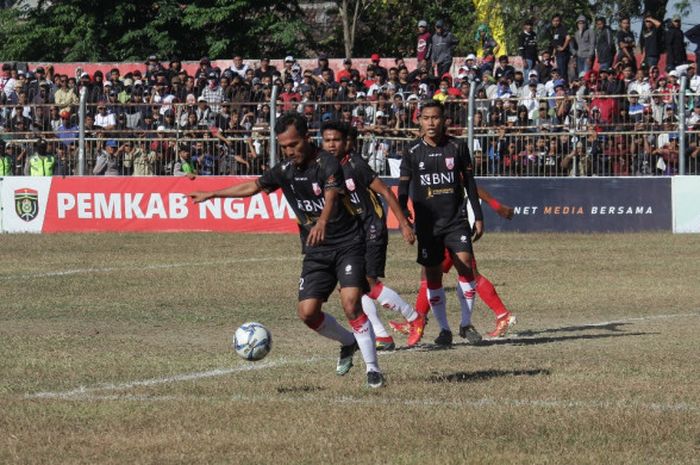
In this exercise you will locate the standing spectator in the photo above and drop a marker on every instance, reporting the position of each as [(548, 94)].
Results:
[(584, 45), (40, 163), (675, 45), (6, 163), (183, 166), (693, 35), (213, 93), (379, 69), (287, 71), (205, 117), (604, 43), (265, 69), (527, 47), (487, 46), (504, 70), (143, 160), (423, 41), (346, 72), (650, 40), (65, 97), (559, 39), (7, 83), (323, 64), (625, 43), (442, 45), (238, 66)]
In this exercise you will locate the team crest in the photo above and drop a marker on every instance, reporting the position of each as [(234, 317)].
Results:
[(450, 162), (316, 188), (350, 184), (27, 203)]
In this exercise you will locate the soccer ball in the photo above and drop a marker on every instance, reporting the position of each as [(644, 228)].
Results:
[(252, 341)]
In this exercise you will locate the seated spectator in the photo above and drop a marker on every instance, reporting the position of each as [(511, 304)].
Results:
[(104, 119)]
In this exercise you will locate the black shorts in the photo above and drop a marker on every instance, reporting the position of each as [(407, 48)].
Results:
[(322, 270), (375, 258), (431, 247)]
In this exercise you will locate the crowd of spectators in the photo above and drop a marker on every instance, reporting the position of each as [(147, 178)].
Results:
[(593, 101)]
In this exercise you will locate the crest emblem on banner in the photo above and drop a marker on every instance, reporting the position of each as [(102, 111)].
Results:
[(450, 162), (27, 203), (316, 188), (350, 184)]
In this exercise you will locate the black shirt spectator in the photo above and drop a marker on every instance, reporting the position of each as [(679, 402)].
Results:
[(675, 45)]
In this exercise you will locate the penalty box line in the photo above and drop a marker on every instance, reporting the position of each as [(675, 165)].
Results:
[(87, 391)]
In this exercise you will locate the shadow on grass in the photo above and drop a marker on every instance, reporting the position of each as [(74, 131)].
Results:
[(524, 341), (612, 326), (483, 375)]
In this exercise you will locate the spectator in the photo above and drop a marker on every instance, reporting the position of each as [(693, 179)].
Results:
[(64, 96), (625, 43), (183, 166), (379, 69), (205, 117), (6, 162), (238, 67), (650, 40), (675, 45), (103, 119), (323, 65), (213, 94), (504, 70), (559, 39), (527, 47), (584, 45), (423, 41), (108, 161), (604, 43), (442, 46), (487, 48)]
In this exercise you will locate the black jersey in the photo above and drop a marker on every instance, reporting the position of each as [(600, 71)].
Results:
[(304, 187), (364, 202), (438, 176)]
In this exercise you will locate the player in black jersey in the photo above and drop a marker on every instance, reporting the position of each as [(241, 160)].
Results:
[(364, 186), (332, 240), (436, 169)]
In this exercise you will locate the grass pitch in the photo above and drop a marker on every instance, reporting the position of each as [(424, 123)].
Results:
[(116, 349)]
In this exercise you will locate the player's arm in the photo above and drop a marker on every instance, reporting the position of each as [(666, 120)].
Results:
[(503, 211), (405, 173), (382, 189), (245, 189), (473, 196)]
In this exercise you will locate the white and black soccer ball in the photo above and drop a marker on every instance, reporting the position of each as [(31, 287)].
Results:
[(252, 341)]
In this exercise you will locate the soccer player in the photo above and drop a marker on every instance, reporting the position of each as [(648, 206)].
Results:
[(332, 241), (363, 185), (437, 169), (484, 289)]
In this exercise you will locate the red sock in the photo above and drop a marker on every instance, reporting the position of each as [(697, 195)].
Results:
[(488, 294), (358, 323), (446, 262), (375, 291), (422, 304)]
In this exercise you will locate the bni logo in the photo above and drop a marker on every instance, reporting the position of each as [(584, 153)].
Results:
[(27, 203)]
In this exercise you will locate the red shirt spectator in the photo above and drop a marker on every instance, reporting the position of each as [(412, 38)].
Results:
[(346, 71), (423, 41)]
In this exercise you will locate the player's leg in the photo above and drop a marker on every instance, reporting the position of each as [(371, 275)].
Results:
[(422, 303), (487, 292), (466, 328), (384, 339), (460, 246), (350, 271), (317, 281)]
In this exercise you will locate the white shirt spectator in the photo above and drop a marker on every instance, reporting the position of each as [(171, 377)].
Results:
[(643, 88), (105, 120)]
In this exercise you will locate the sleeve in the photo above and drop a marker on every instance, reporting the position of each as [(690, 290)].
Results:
[(331, 174), (270, 180), (100, 166), (364, 172)]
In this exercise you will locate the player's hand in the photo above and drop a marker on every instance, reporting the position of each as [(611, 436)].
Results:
[(407, 213), (407, 232), (317, 234), (191, 176), (504, 211), (199, 196), (478, 230)]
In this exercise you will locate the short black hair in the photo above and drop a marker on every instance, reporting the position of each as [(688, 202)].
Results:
[(334, 125), (292, 119), (434, 104)]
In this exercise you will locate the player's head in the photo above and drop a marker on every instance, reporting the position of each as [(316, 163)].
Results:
[(292, 137), (335, 138), (432, 119)]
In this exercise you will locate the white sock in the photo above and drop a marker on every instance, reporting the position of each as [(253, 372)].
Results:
[(466, 292), (438, 305), (371, 311), (390, 299), (331, 329), (364, 336)]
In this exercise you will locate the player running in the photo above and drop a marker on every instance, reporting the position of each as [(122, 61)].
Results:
[(363, 185), (437, 168), (484, 289), (332, 240)]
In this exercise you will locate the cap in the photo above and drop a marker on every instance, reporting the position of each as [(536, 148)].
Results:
[(201, 99), (40, 69), (152, 58), (361, 95), (204, 60), (322, 56), (65, 114), (559, 83), (673, 73), (533, 73), (212, 75), (471, 56), (669, 106), (439, 23), (532, 82), (112, 143), (422, 23), (375, 57), (604, 69), (673, 136), (84, 75), (380, 114), (289, 59), (676, 17)]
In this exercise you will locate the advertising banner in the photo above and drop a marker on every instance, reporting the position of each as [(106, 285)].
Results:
[(686, 204)]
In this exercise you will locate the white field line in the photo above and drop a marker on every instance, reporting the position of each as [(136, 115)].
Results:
[(83, 391), (391, 401), (162, 266)]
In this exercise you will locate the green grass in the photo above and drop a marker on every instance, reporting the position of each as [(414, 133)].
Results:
[(603, 367)]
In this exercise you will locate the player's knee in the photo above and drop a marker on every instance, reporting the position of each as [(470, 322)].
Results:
[(310, 314)]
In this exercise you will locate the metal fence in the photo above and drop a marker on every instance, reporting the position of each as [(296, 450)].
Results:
[(510, 135)]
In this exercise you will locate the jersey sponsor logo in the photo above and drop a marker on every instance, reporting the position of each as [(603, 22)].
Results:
[(350, 184), (311, 206), (450, 162), (437, 179), (27, 203), (316, 188)]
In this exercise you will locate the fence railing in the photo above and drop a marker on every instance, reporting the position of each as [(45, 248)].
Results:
[(531, 133)]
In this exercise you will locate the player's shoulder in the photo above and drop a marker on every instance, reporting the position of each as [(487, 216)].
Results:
[(414, 146)]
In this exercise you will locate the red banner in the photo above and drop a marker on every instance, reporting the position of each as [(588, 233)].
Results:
[(160, 204)]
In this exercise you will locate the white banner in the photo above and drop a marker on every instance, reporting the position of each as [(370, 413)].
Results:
[(686, 204), (23, 201)]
